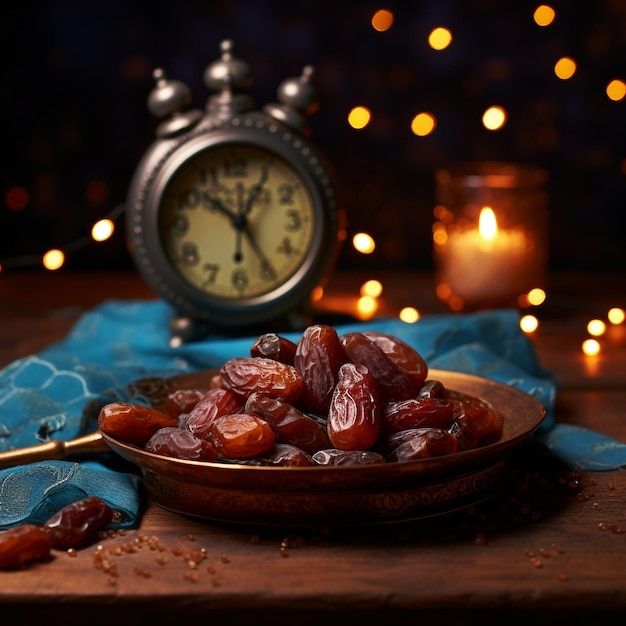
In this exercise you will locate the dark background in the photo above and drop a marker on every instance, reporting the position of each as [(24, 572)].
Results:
[(76, 75)]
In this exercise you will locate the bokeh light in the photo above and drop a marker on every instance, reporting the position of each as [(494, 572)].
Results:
[(565, 68), (382, 20), (616, 90), (529, 323), (359, 117), (440, 38), (53, 259), (494, 118), (423, 124), (616, 315), (591, 347), (102, 230), (544, 15), (372, 288), (409, 315), (363, 243)]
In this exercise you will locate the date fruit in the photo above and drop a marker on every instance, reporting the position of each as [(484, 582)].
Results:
[(409, 360), (291, 425), (241, 436), (132, 423), (22, 545), (347, 457), (273, 346), (181, 444), (77, 525), (393, 382), (214, 403), (354, 415), (245, 375), (420, 443), (420, 412), (319, 355)]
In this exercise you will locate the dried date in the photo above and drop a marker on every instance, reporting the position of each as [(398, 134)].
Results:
[(347, 457), (22, 545), (214, 403), (77, 525), (354, 415), (420, 443), (282, 455), (419, 412), (291, 425), (273, 346), (131, 422), (182, 401), (245, 375), (241, 436), (409, 360), (486, 420), (181, 444), (393, 382), (319, 355)]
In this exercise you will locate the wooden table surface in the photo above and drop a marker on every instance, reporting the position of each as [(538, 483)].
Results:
[(551, 545)]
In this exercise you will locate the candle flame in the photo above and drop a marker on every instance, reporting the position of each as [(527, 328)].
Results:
[(487, 224)]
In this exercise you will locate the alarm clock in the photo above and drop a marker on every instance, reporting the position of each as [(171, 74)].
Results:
[(232, 215)]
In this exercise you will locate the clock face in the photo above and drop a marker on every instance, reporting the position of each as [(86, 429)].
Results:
[(236, 221)]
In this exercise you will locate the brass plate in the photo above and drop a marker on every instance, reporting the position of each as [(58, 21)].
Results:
[(342, 495)]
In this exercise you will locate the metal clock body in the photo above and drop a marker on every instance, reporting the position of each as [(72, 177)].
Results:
[(232, 214)]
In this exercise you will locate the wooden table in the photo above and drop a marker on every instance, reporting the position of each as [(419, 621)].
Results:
[(551, 545)]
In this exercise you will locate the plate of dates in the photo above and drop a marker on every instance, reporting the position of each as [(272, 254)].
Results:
[(331, 430)]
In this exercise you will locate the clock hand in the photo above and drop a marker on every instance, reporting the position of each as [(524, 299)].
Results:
[(266, 266), (218, 205), (255, 190)]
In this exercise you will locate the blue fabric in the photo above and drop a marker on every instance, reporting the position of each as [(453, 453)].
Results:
[(43, 396)]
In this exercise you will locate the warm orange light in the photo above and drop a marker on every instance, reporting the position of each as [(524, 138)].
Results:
[(317, 293), (382, 20), (53, 259), (363, 243), (409, 315), (372, 288), (544, 15), (529, 323), (439, 38), (596, 328), (536, 296), (102, 230), (616, 90), (565, 68), (591, 347), (616, 315), (494, 118), (366, 307), (423, 124), (487, 224), (359, 117), (440, 234)]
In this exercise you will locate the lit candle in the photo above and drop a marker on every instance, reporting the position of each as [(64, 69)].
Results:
[(485, 265)]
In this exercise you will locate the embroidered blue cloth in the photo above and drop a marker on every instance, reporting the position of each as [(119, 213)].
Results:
[(44, 396)]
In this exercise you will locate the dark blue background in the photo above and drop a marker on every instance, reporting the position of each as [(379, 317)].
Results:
[(76, 76)]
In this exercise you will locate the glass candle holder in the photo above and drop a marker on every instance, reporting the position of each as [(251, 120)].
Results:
[(490, 234)]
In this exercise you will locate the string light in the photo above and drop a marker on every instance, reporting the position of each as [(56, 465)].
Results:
[(382, 20), (363, 243), (359, 117), (423, 124), (55, 258)]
